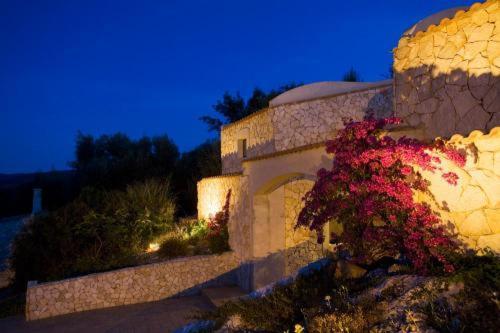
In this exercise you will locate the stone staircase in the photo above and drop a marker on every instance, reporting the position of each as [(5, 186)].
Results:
[(221, 295)]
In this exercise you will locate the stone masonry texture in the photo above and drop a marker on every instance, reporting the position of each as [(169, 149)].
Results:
[(447, 78), (129, 285)]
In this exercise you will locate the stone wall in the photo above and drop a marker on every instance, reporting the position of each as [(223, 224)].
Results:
[(293, 125), (256, 129), (447, 78), (473, 206), (309, 122), (301, 246), (129, 285)]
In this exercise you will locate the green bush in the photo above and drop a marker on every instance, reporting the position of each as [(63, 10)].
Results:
[(173, 247), (98, 231)]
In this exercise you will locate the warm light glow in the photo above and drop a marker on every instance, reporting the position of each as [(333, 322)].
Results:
[(153, 247)]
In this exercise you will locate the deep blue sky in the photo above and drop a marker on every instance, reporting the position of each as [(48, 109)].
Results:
[(154, 67)]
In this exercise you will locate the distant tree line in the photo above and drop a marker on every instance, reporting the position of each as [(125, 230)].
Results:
[(111, 162)]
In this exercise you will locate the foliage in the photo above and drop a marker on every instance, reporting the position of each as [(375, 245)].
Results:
[(351, 76), (203, 161), (12, 305), (193, 229), (474, 308), (114, 161), (193, 237), (369, 190), (16, 191), (173, 247), (100, 230), (280, 309), (234, 107), (218, 236)]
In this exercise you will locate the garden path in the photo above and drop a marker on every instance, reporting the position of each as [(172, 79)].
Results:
[(161, 316)]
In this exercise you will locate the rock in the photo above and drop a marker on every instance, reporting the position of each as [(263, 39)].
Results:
[(348, 270), (397, 268)]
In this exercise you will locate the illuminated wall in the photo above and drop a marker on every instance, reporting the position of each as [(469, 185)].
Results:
[(301, 244), (447, 77), (211, 198), (473, 206)]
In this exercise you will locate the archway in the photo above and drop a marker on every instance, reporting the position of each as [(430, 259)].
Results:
[(275, 208)]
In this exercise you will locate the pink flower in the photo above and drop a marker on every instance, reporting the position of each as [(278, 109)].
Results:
[(372, 177)]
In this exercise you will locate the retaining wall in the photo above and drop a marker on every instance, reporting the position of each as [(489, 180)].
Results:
[(129, 285)]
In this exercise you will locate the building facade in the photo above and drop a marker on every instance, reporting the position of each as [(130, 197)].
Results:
[(446, 83)]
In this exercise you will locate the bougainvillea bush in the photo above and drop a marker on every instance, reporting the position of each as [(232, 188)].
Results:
[(370, 191)]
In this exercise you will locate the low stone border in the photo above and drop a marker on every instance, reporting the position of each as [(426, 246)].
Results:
[(130, 285)]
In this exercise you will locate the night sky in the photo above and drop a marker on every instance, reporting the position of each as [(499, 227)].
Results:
[(155, 67)]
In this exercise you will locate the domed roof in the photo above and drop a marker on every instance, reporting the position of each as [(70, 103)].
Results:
[(435, 19), (323, 89)]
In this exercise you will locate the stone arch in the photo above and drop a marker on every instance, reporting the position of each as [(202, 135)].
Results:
[(271, 223)]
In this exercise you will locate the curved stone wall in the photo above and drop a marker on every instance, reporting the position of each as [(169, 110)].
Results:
[(447, 78), (211, 198), (472, 208)]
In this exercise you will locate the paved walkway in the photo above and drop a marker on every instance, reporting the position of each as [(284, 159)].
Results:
[(162, 316)]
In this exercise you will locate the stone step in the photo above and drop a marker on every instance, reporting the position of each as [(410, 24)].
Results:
[(221, 295)]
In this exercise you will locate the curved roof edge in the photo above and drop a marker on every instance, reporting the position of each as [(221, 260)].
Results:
[(433, 19), (323, 89)]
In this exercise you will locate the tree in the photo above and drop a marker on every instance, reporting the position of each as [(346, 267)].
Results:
[(113, 161), (203, 161), (233, 107), (351, 76)]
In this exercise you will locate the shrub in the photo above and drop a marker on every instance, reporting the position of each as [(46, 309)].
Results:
[(475, 307), (369, 190), (173, 247), (218, 236), (283, 307), (97, 231)]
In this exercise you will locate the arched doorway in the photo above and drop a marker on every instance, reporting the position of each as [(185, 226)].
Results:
[(278, 249)]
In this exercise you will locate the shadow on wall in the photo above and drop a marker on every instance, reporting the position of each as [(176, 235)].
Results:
[(443, 103), (233, 162)]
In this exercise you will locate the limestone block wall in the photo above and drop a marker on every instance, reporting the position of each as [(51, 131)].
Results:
[(256, 129), (309, 122), (473, 206), (129, 285), (301, 247), (447, 78)]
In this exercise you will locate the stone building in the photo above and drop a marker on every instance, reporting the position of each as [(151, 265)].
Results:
[(446, 83)]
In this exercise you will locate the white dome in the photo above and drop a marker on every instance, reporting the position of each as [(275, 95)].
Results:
[(323, 89)]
